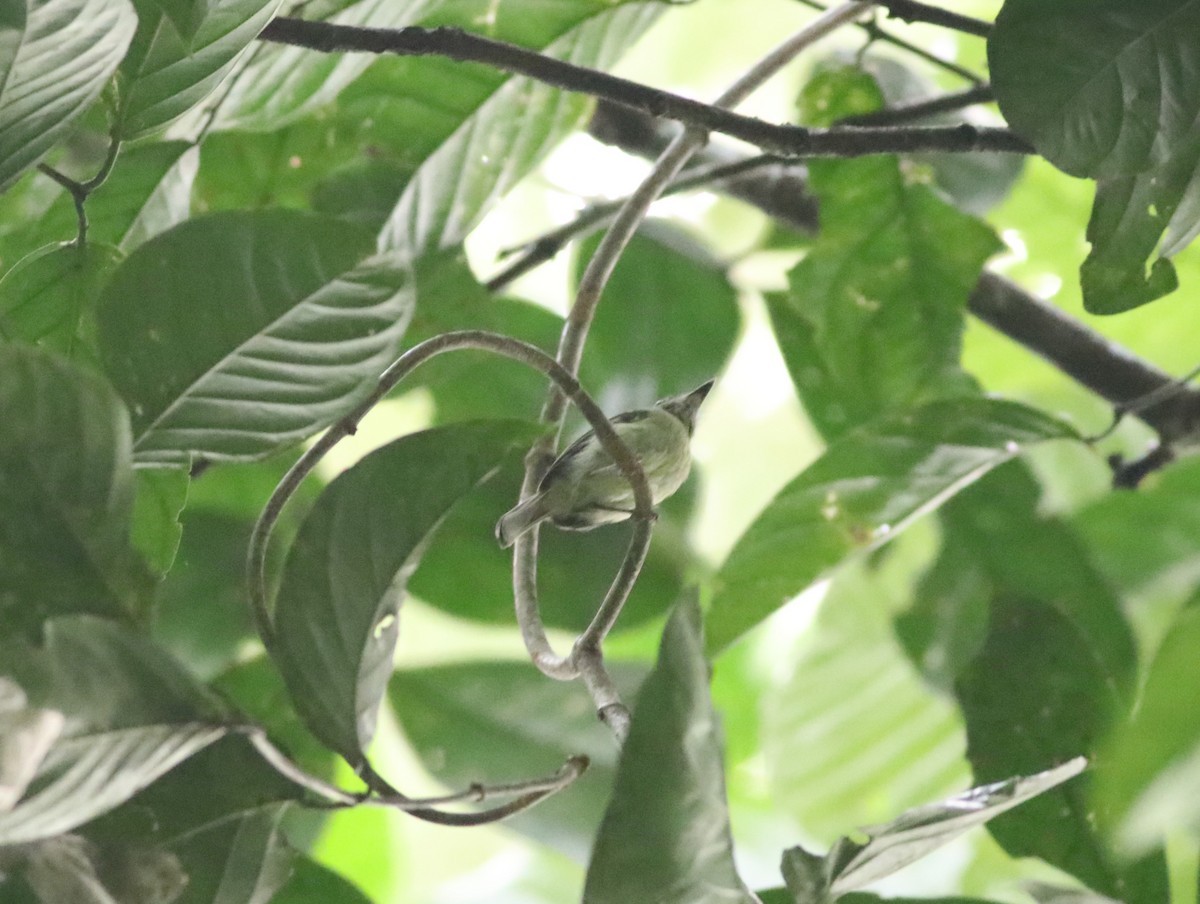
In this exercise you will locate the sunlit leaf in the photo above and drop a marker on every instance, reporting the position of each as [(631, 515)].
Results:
[(665, 836), (55, 58), (236, 360), (336, 616), (865, 488), (66, 467)]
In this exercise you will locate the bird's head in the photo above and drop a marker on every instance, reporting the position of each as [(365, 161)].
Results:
[(685, 406)]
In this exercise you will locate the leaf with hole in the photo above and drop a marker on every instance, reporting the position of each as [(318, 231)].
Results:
[(336, 614), (235, 334)]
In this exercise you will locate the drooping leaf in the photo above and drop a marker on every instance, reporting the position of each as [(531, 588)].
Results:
[(873, 317), (66, 494), (48, 298), (182, 50), (668, 321), (1112, 91), (1151, 763), (480, 152), (665, 836), (336, 616), (865, 488), (502, 722), (55, 58), (158, 499), (277, 341)]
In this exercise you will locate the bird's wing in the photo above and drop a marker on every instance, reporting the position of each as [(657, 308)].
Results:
[(573, 451)]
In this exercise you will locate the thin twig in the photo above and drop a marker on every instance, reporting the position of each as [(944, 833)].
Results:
[(905, 113), (787, 140), (529, 793), (504, 346), (79, 191), (876, 32), (536, 252), (916, 11)]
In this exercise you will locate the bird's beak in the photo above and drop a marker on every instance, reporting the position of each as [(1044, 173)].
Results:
[(685, 407)]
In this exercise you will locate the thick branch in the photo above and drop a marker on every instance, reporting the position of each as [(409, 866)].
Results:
[(1103, 366), (786, 140)]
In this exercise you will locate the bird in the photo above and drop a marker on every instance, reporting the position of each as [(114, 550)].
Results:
[(584, 488)]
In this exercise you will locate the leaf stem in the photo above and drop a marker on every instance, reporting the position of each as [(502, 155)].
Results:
[(79, 191)]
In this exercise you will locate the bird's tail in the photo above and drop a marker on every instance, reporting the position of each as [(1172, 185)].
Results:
[(520, 519)]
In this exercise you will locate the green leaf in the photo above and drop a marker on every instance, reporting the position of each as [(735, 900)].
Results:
[(148, 191), (504, 722), (866, 488), (131, 714), (665, 836), (498, 135), (891, 847), (873, 318), (668, 322), (67, 494), (234, 361), (336, 616), (182, 50), (243, 861), (51, 73), (87, 775), (1036, 694), (1148, 543), (1028, 556), (1111, 91), (159, 498), (48, 298), (875, 741), (1151, 764), (312, 883), (1101, 87)]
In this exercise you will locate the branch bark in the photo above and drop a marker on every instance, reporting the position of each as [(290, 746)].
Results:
[(1103, 366), (786, 140)]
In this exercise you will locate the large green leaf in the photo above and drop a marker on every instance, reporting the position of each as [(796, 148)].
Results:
[(1037, 694), (477, 155), (48, 298), (873, 317), (1151, 763), (182, 50), (234, 334), (865, 489), (665, 836), (336, 616), (55, 58), (244, 860), (502, 722), (131, 714), (668, 321), (311, 883), (66, 494), (1112, 91)]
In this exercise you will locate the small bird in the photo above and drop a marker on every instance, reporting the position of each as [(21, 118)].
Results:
[(584, 488)]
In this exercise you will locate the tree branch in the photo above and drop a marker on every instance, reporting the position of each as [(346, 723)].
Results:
[(915, 11), (785, 140), (902, 113), (1103, 366)]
